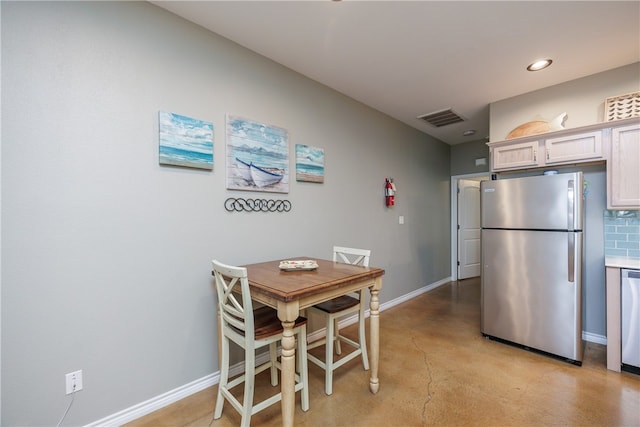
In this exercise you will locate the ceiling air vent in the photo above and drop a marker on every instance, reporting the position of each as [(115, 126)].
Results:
[(442, 118)]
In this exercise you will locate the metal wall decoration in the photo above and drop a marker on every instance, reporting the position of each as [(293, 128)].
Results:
[(233, 204)]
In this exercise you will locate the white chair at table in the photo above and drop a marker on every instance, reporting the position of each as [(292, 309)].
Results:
[(335, 309), (251, 329)]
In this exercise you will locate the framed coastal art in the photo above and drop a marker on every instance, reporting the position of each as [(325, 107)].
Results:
[(309, 163), (257, 156), (185, 141)]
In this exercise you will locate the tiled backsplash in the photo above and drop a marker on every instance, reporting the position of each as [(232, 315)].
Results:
[(622, 233)]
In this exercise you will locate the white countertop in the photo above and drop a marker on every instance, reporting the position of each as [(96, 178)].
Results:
[(622, 262)]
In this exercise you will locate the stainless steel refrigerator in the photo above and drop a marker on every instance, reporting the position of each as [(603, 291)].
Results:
[(532, 234)]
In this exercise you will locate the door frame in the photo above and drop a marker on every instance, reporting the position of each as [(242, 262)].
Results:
[(454, 217)]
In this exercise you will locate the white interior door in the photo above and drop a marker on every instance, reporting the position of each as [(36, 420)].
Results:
[(468, 229)]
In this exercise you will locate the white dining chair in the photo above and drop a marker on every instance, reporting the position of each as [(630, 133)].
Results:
[(335, 309), (252, 330)]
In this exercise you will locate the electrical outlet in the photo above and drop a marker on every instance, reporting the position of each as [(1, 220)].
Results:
[(74, 381)]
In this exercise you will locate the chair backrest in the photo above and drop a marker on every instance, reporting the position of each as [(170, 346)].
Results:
[(234, 300), (351, 255)]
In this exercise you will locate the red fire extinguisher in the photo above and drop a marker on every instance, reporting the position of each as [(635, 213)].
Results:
[(389, 192)]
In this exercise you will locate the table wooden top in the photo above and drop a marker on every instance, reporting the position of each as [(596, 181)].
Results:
[(269, 279)]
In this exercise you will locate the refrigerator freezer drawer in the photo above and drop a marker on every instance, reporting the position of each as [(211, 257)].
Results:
[(552, 202), (531, 289)]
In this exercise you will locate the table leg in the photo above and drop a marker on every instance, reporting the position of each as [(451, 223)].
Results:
[(374, 326), (288, 313)]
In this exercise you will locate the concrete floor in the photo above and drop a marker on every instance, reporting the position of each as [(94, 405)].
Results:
[(436, 369)]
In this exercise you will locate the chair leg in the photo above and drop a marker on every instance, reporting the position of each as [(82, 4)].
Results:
[(249, 381), (328, 362), (304, 369), (273, 354), (224, 376), (336, 336)]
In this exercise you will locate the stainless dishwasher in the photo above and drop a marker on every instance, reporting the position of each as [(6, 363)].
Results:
[(630, 320)]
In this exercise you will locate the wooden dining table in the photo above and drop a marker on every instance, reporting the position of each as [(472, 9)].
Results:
[(292, 291)]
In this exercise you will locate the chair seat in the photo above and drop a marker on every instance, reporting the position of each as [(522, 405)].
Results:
[(267, 324), (337, 304)]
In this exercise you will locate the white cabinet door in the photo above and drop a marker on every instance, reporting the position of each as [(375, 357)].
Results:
[(623, 170), (515, 156), (574, 148)]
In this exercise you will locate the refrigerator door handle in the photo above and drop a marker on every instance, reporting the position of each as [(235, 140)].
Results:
[(572, 256), (570, 202)]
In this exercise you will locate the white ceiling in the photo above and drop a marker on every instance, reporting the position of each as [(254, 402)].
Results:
[(410, 58)]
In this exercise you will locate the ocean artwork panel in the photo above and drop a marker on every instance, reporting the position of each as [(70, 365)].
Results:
[(185, 141), (309, 163), (257, 156)]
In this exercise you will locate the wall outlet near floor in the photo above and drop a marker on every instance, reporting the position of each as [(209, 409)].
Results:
[(73, 381), (401, 220)]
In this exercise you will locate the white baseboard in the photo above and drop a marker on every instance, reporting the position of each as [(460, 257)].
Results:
[(166, 399), (172, 396), (598, 339), (320, 333), (411, 295), (159, 402)]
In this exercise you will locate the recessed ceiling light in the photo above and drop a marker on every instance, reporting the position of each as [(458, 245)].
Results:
[(540, 64), (469, 132)]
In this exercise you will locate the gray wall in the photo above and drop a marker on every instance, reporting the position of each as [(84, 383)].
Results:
[(106, 255), (463, 157)]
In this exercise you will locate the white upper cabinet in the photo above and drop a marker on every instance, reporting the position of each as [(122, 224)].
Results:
[(564, 147), (623, 168), (580, 147), (616, 142), (547, 150), (515, 156)]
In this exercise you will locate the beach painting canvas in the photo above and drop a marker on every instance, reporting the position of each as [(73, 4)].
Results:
[(185, 141), (309, 163), (257, 156)]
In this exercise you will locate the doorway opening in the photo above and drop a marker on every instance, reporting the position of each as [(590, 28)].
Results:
[(465, 224)]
